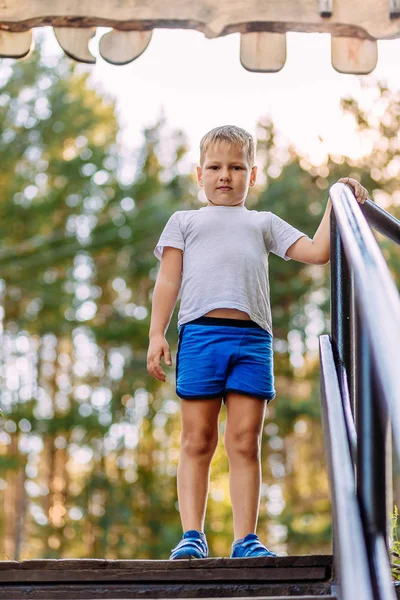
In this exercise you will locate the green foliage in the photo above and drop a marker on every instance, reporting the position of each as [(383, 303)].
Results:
[(395, 550)]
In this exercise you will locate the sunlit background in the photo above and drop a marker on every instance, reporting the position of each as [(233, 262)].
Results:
[(94, 161)]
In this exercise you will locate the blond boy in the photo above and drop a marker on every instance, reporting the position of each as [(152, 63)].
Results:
[(217, 256)]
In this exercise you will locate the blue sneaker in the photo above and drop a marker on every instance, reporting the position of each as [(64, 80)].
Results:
[(250, 546), (192, 545)]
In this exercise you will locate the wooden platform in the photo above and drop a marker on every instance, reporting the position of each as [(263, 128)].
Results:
[(95, 579)]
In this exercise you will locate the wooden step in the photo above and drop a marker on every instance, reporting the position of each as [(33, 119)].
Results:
[(95, 579)]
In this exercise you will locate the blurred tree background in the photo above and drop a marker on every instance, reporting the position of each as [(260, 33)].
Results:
[(89, 443)]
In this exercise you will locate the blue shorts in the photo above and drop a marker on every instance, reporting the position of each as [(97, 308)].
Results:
[(216, 356)]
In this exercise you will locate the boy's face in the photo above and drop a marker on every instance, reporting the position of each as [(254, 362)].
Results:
[(226, 175)]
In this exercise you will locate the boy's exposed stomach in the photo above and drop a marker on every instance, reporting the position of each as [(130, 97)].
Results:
[(228, 313)]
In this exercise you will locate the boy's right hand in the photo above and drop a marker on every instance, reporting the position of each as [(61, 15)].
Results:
[(158, 347)]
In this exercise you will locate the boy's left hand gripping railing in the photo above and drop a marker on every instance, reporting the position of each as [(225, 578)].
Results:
[(360, 373)]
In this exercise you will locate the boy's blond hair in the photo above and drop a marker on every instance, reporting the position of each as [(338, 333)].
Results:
[(232, 135)]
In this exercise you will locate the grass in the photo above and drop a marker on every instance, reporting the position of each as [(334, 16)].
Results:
[(395, 551)]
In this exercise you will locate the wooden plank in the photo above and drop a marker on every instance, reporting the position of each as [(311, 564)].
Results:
[(10, 564), (151, 591), (182, 575), (75, 42), (306, 560), (122, 47), (15, 45), (352, 55), (324, 597), (263, 52), (366, 19), (271, 598)]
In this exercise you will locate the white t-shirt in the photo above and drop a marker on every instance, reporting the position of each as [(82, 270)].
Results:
[(225, 259)]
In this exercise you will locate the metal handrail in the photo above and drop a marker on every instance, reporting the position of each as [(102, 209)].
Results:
[(376, 295), (348, 416), (360, 368), (381, 220), (350, 553)]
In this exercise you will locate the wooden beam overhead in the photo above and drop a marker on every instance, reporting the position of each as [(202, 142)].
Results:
[(266, 24), (75, 42), (122, 47), (366, 19), (351, 55), (15, 45), (263, 52)]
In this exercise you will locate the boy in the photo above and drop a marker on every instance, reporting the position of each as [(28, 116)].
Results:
[(219, 253)]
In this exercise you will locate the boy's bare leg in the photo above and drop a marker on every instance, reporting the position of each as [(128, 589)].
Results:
[(243, 431), (199, 440)]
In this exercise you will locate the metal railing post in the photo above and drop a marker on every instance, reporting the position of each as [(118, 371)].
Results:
[(342, 309), (352, 573), (372, 425)]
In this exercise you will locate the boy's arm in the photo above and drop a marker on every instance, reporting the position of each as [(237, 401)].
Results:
[(317, 250), (165, 295)]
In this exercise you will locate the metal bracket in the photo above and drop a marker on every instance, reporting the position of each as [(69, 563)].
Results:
[(394, 9), (325, 8)]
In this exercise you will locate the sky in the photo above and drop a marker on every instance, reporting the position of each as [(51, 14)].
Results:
[(198, 84)]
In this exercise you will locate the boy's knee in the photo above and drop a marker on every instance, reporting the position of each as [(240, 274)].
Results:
[(245, 444), (199, 443)]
